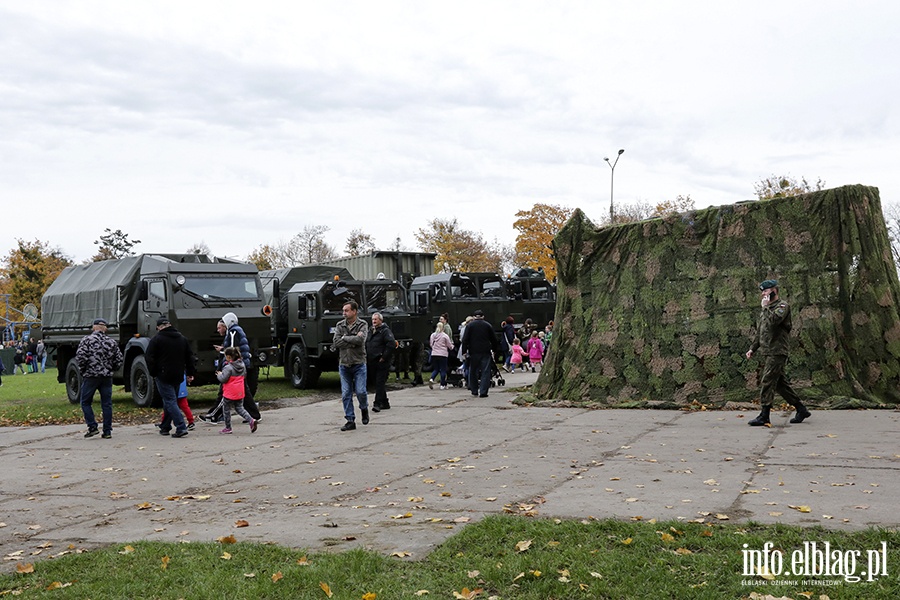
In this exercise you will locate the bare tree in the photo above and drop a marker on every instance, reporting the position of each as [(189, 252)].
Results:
[(200, 247), (359, 243)]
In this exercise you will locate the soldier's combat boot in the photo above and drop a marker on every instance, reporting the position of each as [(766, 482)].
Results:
[(802, 413), (762, 418)]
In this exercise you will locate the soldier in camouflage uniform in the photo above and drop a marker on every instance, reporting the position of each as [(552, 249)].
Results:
[(772, 340), (97, 357)]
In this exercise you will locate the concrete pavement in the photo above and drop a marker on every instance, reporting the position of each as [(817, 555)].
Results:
[(437, 460)]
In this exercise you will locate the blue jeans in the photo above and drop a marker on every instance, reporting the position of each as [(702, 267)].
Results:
[(353, 379), (169, 394), (480, 373), (439, 363), (89, 385)]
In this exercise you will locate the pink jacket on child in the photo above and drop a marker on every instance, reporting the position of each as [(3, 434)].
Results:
[(517, 353), (535, 349)]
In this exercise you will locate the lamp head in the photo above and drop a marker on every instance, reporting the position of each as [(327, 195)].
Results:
[(621, 151)]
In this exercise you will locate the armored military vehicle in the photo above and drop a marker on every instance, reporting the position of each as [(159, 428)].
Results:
[(526, 295), (303, 325), (193, 291)]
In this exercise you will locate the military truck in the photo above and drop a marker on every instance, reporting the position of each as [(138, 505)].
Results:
[(525, 295), (193, 291), (308, 311)]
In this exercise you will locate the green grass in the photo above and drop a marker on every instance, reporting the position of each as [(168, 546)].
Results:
[(38, 399), (565, 559)]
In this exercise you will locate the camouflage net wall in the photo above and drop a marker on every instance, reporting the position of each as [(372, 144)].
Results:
[(661, 312)]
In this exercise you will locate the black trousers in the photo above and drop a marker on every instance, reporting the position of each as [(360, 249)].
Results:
[(382, 369)]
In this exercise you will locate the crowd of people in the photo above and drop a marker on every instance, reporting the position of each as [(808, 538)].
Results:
[(30, 356)]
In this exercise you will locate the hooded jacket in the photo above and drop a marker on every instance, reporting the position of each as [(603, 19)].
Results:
[(235, 337), (232, 379)]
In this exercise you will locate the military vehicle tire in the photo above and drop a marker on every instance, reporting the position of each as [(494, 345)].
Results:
[(143, 388), (73, 382), (302, 374)]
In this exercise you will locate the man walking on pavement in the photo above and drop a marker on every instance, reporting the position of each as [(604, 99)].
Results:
[(379, 351), (772, 341), (97, 357), (480, 343), (169, 358), (350, 340)]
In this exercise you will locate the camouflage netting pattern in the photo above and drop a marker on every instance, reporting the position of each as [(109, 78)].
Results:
[(659, 313)]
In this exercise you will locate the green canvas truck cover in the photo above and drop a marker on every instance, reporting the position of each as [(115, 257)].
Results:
[(106, 289)]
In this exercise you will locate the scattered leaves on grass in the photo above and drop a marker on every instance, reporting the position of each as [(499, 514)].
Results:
[(627, 541), (57, 585), (303, 561), (24, 568), (225, 556), (126, 550), (326, 588), (369, 596), (165, 562), (466, 594), (422, 593), (523, 545), (276, 577)]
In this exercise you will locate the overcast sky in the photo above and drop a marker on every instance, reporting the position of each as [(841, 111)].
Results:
[(238, 123)]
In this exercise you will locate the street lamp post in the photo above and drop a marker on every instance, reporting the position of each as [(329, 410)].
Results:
[(612, 166)]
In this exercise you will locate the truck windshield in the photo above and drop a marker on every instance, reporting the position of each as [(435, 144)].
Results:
[(222, 288), (462, 287), (382, 297)]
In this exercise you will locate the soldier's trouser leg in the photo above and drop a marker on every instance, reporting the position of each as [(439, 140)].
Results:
[(772, 375)]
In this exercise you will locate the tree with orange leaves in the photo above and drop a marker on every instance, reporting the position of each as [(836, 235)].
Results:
[(537, 228)]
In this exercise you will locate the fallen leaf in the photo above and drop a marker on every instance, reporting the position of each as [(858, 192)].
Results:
[(241, 523), (249, 575), (683, 551), (802, 508), (369, 596), (126, 550), (466, 594), (627, 541), (473, 573), (303, 561), (227, 539), (24, 568), (225, 556), (326, 589), (519, 576), (596, 574), (165, 562), (276, 577), (403, 516), (462, 519), (722, 517), (775, 514), (666, 537), (401, 554), (523, 545), (422, 592)]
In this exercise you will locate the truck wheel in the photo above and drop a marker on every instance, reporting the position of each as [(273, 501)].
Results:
[(302, 374), (143, 388), (73, 382)]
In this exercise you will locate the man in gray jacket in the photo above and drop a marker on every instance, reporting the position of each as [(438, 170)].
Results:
[(350, 340)]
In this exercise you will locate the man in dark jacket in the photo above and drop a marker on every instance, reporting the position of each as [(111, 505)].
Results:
[(480, 343), (97, 357), (379, 349), (169, 358), (772, 341)]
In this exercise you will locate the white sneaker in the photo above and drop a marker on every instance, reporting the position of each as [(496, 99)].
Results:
[(443, 387), (431, 384)]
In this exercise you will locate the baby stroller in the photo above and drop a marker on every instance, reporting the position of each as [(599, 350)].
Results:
[(496, 377)]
